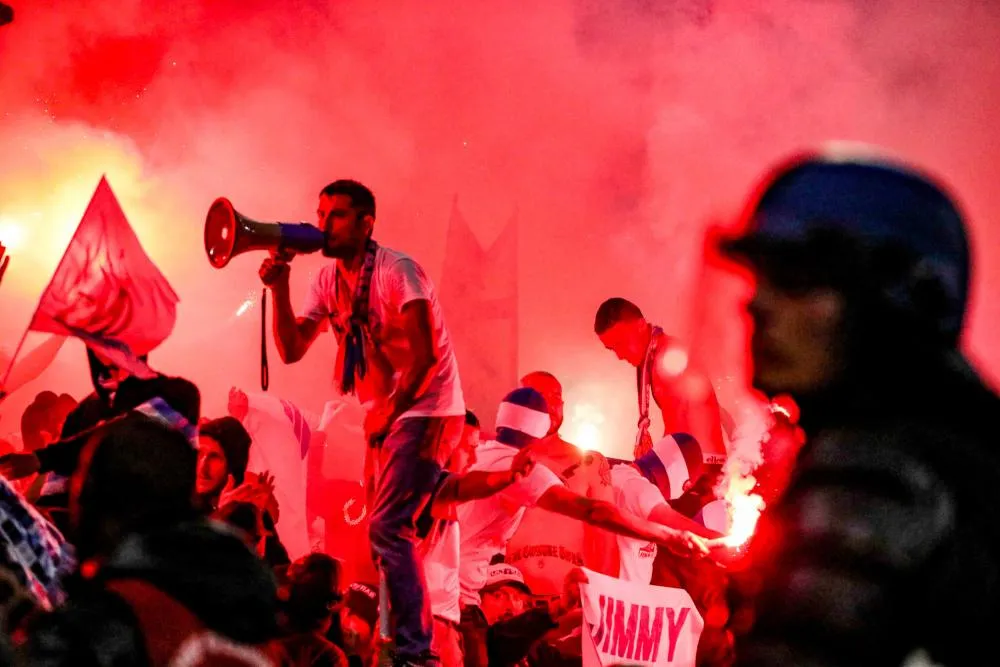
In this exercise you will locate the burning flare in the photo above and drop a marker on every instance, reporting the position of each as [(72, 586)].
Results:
[(738, 482), (744, 511)]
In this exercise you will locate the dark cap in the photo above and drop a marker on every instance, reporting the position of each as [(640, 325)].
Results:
[(885, 209), (235, 442)]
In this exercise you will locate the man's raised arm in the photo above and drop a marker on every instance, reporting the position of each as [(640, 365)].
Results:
[(605, 515), (478, 484)]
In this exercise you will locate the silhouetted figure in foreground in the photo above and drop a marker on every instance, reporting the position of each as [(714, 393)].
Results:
[(886, 540)]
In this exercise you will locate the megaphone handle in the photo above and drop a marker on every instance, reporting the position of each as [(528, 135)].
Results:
[(265, 376)]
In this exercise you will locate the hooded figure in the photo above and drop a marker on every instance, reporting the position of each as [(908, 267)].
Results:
[(886, 539)]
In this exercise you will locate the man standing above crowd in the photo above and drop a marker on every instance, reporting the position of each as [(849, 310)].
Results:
[(685, 396), (395, 353)]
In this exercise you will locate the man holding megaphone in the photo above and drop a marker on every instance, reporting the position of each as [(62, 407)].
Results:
[(396, 355)]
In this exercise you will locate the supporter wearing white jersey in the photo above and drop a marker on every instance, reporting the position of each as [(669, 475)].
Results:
[(394, 353), (645, 488), (438, 533), (488, 524), (547, 546)]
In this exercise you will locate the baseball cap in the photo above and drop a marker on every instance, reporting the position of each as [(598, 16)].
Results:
[(362, 601), (503, 574)]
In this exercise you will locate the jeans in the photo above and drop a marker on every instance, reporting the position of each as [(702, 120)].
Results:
[(412, 456)]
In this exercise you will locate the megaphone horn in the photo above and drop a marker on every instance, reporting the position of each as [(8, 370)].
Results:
[(229, 233)]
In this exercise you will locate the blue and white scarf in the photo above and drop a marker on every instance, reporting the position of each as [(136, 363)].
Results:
[(35, 550)]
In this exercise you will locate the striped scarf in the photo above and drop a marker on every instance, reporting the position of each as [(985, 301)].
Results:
[(355, 364), (34, 550), (161, 411), (644, 385)]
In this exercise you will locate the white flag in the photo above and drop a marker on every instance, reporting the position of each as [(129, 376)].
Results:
[(106, 291), (281, 438)]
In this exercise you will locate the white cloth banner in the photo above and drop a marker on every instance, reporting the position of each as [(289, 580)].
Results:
[(281, 435), (636, 624), (343, 424)]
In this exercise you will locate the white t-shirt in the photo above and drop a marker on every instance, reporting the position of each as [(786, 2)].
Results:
[(397, 280), (487, 524), (547, 546), (637, 495), (440, 553)]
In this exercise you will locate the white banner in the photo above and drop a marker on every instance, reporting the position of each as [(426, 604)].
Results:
[(636, 624), (281, 435)]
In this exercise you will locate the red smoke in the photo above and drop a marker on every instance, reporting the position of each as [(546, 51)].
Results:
[(616, 131)]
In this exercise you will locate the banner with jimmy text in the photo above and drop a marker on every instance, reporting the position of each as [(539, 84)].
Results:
[(636, 624)]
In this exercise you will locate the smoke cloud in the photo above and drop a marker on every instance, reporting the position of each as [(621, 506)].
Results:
[(618, 132)]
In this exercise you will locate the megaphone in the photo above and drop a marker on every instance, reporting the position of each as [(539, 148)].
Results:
[(229, 233)]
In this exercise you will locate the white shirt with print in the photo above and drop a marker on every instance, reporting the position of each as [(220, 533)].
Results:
[(396, 281), (488, 524), (637, 495)]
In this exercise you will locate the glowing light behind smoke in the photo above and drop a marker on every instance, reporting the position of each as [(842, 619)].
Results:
[(583, 427), (44, 199), (11, 234), (674, 362), (588, 436)]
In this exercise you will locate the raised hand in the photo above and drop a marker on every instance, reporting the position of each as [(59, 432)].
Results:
[(522, 465), (570, 598), (683, 543), (266, 485), (275, 271), (253, 491), (239, 404)]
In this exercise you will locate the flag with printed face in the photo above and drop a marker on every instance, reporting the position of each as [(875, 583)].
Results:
[(635, 624), (106, 291), (282, 434)]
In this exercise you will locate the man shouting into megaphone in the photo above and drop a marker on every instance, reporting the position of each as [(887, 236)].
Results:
[(395, 354)]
